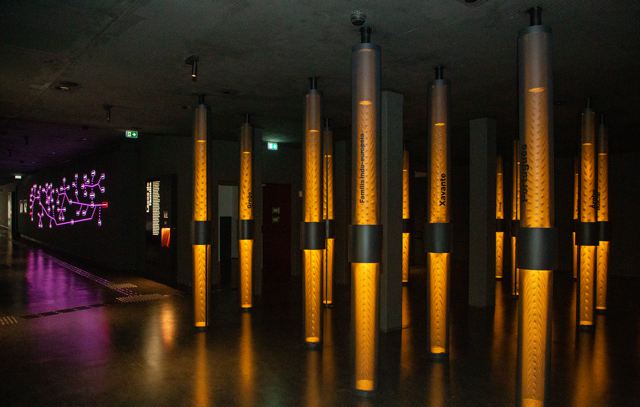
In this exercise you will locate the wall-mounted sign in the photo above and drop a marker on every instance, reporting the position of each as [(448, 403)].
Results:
[(68, 204), (131, 134), (272, 145)]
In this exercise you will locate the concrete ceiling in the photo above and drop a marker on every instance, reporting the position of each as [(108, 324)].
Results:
[(255, 56)]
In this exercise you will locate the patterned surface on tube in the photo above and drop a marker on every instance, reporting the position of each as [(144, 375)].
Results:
[(313, 176), (406, 238), (200, 284), (438, 292), (246, 252), (439, 194), (366, 199), (515, 272), (327, 272), (603, 187), (327, 207), (499, 253), (602, 252), (536, 286), (587, 280), (536, 178), (588, 184), (365, 281), (312, 284), (576, 212)]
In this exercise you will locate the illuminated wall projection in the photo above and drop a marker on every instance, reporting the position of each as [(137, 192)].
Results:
[(313, 243), (406, 218), (587, 233), (576, 213), (438, 228), (602, 252), (152, 216), (201, 223), (515, 218), (245, 234), (536, 239), (499, 219), (366, 234), (327, 215), (68, 203)]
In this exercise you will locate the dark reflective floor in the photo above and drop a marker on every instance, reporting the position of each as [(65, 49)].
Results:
[(110, 353)]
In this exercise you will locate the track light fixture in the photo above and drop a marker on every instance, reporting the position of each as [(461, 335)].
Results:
[(193, 61)]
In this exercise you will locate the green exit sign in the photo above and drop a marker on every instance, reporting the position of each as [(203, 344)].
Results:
[(273, 146), (131, 133)]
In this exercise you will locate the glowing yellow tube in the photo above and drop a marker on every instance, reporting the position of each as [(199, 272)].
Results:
[(365, 272), (603, 218), (406, 236), (438, 262), (536, 160), (327, 216), (245, 238), (576, 213), (312, 214), (515, 218), (201, 252), (499, 218), (588, 202)]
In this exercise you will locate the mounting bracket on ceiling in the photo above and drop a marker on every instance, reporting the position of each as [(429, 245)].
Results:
[(193, 61)]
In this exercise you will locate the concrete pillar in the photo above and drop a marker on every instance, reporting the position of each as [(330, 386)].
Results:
[(391, 211), (257, 210), (482, 212), (342, 209)]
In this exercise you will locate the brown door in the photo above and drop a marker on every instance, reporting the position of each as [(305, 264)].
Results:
[(276, 233)]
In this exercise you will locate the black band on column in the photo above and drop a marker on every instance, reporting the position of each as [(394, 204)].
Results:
[(515, 227), (312, 235), (437, 237), (604, 231), (365, 243), (537, 248), (245, 229), (500, 225), (329, 228), (201, 232), (406, 225), (587, 234)]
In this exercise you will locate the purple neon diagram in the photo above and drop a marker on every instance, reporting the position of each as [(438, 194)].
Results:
[(51, 203)]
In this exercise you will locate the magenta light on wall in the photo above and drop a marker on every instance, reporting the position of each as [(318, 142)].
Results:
[(68, 204)]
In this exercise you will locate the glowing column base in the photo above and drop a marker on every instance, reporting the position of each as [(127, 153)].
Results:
[(312, 284), (405, 257), (515, 272), (587, 269), (246, 250), (327, 272), (602, 253), (537, 286), (575, 256), (200, 253), (365, 280), (438, 300), (499, 254)]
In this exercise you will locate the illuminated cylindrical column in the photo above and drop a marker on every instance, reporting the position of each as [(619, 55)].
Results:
[(536, 239), (406, 218), (313, 243), (499, 218), (365, 245), (245, 211), (327, 215), (201, 223), (576, 213), (515, 217), (438, 227), (587, 235), (603, 218)]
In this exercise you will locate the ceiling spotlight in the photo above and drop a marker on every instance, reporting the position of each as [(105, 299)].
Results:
[(107, 109), (358, 18), (193, 61), (66, 86)]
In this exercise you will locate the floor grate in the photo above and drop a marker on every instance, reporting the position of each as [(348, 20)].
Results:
[(140, 298), (8, 320)]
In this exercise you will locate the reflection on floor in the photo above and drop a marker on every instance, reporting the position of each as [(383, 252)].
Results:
[(146, 353)]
